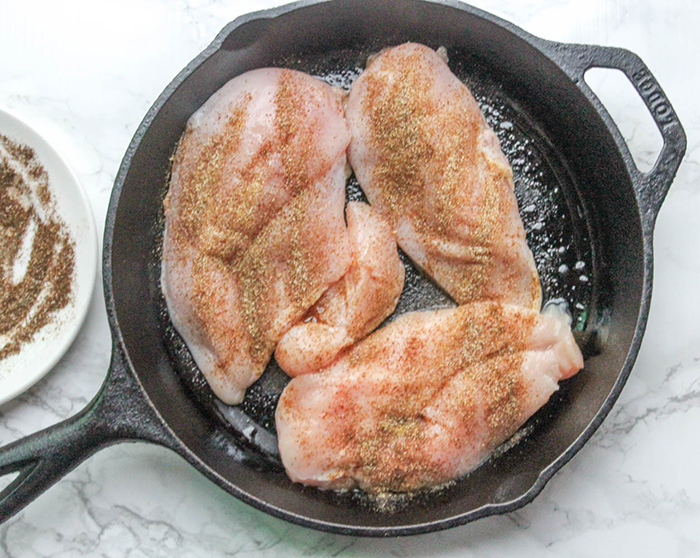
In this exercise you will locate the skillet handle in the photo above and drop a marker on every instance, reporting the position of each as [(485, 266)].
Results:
[(651, 187), (119, 412)]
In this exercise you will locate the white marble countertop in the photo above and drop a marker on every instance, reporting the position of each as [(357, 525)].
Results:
[(85, 72)]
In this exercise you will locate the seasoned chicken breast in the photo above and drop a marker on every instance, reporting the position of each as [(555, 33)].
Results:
[(426, 159), (356, 304), (425, 399), (254, 227)]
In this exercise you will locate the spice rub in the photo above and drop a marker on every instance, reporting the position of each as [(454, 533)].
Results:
[(429, 397), (426, 159), (254, 230), (37, 254), (355, 305), (425, 399), (257, 258)]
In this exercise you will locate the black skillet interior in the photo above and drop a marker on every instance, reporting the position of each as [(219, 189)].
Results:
[(576, 199)]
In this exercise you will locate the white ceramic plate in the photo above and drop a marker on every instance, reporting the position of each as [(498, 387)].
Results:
[(20, 371)]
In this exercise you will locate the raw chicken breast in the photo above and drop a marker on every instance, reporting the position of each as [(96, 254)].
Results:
[(355, 305), (425, 399), (254, 230), (426, 159)]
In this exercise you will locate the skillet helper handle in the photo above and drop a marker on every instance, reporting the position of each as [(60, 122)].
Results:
[(651, 187), (119, 412)]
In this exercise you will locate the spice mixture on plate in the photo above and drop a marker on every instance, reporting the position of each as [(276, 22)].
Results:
[(37, 254)]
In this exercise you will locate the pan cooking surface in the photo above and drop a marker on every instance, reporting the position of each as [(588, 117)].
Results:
[(558, 232)]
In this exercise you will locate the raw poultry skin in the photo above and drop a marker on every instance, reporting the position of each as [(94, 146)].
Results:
[(427, 160), (356, 304), (254, 228), (425, 399)]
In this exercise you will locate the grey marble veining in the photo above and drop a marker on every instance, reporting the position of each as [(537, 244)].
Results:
[(85, 73)]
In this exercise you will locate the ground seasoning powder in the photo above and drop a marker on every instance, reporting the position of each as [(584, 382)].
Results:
[(37, 254)]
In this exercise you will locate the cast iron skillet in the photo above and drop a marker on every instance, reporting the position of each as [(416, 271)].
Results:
[(588, 211)]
